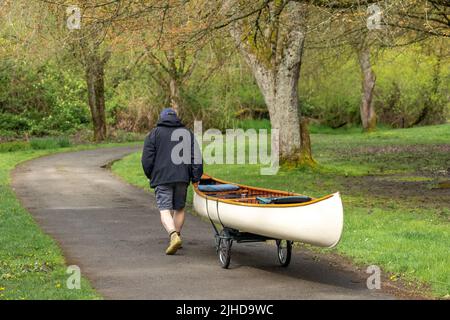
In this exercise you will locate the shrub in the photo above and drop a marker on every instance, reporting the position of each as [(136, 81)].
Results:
[(41, 100), (13, 122), (8, 135)]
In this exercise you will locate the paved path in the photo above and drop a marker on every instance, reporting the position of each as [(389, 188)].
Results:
[(112, 231)]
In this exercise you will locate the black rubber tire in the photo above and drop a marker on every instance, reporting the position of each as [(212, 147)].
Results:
[(217, 243), (225, 253), (284, 252)]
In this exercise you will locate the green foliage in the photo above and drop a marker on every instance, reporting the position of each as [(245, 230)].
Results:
[(13, 122), (49, 99), (401, 98), (408, 80), (20, 88)]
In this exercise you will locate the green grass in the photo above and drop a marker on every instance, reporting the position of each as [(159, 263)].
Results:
[(14, 146), (253, 124), (405, 235), (49, 143), (31, 263)]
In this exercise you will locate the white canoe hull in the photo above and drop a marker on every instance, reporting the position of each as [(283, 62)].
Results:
[(319, 223)]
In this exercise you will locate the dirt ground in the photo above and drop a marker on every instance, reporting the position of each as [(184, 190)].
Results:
[(425, 184)]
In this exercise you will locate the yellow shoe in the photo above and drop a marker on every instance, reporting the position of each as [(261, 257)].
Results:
[(175, 244)]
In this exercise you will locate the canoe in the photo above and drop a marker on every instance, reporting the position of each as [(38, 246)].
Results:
[(316, 221)]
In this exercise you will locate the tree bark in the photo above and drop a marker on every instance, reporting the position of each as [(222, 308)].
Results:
[(306, 153), (96, 94), (278, 81), (282, 102), (174, 97), (367, 110), (174, 86)]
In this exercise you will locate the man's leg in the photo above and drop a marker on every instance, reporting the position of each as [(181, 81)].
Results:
[(164, 200), (178, 219), (179, 201), (167, 221)]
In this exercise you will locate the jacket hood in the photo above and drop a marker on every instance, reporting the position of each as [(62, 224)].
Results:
[(170, 120)]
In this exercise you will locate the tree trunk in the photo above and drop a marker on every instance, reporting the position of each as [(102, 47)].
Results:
[(367, 110), (174, 81), (305, 153), (175, 100), (96, 95), (282, 102), (278, 81)]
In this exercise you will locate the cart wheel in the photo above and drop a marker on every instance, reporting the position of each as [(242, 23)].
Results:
[(217, 242), (225, 250), (284, 252)]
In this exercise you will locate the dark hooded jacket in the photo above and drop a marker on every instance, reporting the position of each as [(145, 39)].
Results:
[(157, 161)]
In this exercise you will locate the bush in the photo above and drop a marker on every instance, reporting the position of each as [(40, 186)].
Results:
[(8, 135), (50, 143), (13, 122), (420, 92), (41, 100)]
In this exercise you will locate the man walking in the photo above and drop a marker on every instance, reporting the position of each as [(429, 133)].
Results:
[(171, 159)]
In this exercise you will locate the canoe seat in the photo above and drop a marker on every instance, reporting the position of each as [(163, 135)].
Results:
[(283, 200), (217, 187)]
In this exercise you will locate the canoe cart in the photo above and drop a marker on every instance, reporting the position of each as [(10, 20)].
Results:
[(224, 241), (250, 214)]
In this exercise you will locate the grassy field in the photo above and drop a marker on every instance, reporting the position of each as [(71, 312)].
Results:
[(31, 263), (396, 213)]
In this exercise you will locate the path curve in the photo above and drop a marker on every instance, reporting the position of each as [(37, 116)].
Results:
[(111, 230)]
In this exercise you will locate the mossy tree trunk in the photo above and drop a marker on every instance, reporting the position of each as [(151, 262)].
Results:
[(306, 158), (275, 63)]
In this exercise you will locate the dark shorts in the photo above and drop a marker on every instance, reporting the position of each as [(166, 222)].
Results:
[(171, 196)]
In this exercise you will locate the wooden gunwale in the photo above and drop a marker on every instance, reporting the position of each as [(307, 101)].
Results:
[(272, 192)]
